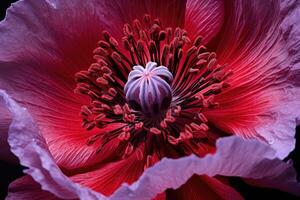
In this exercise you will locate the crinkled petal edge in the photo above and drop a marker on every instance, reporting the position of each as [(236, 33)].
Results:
[(235, 156)]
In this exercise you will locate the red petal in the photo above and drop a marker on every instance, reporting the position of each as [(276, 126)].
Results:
[(251, 45), (204, 18), (110, 176), (203, 188), (161, 196), (30, 147), (254, 54), (120, 12), (42, 45)]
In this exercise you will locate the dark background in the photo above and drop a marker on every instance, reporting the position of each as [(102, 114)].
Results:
[(11, 172)]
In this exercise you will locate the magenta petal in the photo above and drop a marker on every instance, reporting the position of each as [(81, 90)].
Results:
[(171, 12), (30, 147), (204, 17), (234, 157)]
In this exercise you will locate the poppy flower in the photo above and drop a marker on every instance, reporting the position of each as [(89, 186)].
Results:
[(150, 99)]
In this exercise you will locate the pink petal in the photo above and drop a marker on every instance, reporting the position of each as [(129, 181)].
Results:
[(251, 44), (29, 146), (234, 157), (204, 188), (281, 134), (204, 18), (290, 13)]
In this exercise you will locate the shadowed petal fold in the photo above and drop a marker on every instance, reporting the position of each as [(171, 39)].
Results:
[(5, 120), (204, 188), (26, 188)]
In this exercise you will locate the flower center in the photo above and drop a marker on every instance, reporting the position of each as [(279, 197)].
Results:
[(148, 89), (151, 92)]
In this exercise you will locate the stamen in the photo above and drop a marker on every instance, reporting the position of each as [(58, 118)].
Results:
[(154, 87)]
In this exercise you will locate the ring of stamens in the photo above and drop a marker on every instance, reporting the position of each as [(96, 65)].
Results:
[(197, 78)]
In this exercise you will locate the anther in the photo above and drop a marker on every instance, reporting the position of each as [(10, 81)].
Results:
[(103, 44), (118, 110), (172, 140), (138, 126), (155, 131), (186, 135), (106, 35), (127, 30), (113, 41), (124, 136), (128, 150), (202, 117), (197, 41), (147, 19)]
